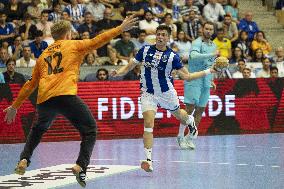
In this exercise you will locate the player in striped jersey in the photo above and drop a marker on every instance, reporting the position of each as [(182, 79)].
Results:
[(157, 63), (56, 74)]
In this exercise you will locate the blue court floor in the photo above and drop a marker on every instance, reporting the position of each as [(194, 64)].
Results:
[(218, 162)]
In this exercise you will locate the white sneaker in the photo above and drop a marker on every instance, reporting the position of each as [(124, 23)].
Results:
[(192, 128), (182, 142), (189, 143), (147, 166)]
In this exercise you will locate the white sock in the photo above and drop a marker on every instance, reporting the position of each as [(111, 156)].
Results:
[(181, 130), (148, 153)]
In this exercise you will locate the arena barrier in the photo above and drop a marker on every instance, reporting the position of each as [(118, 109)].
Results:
[(236, 107)]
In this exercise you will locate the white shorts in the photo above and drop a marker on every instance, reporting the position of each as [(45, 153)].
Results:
[(167, 100)]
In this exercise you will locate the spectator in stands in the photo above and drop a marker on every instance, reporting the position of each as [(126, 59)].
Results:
[(191, 26), (237, 55), (101, 75), (11, 76), (182, 46), (107, 22), (90, 60), (2, 80), (97, 9), (38, 45), (261, 42), (248, 25), (213, 12), (16, 50), (279, 5), (156, 9), (125, 48), (189, 6), (76, 12), (133, 74), (7, 31), (4, 56), (232, 9), (150, 26), (88, 25), (274, 72), (223, 44), (55, 15), (257, 55), (34, 10), (66, 16), (168, 20), (133, 7), (140, 41), (241, 65), (45, 26), (26, 60), (247, 73), (265, 71), (244, 44), (279, 52), (28, 29), (15, 11), (230, 28)]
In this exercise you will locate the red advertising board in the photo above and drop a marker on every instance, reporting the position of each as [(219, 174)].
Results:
[(237, 106)]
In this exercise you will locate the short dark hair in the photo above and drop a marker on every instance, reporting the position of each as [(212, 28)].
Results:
[(209, 23), (10, 60), (273, 68), (164, 27), (102, 69), (141, 31)]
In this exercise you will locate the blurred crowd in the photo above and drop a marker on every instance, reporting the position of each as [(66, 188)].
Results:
[(25, 32)]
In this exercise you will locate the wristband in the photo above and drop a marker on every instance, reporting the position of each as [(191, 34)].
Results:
[(207, 72)]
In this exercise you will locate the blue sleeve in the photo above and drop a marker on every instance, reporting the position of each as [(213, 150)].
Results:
[(195, 52), (242, 25), (139, 55), (177, 62), (11, 28)]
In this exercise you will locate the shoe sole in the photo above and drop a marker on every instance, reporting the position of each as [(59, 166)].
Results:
[(146, 166), (20, 170), (78, 178)]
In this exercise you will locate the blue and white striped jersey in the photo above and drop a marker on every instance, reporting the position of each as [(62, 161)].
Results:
[(156, 69)]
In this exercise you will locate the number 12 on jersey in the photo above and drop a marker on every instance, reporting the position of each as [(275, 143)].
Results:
[(57, 68)]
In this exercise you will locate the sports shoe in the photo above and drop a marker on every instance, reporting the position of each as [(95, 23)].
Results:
[(182, 142), (192, 128), (189, 142), (21, 167), (80, 175), (146, 165)]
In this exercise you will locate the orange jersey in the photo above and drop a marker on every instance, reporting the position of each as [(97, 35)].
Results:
[(57, 69)]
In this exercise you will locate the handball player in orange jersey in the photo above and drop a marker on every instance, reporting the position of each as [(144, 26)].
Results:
[(56, 74)]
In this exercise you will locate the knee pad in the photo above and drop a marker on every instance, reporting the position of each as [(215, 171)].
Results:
[(149, 130)]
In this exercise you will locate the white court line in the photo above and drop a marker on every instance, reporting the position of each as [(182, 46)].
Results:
[(275, 147), (241, 146), (259, 165), (104, 159), (225, 163), (180, 161), (203, 162), (242, 164), (275, 166)]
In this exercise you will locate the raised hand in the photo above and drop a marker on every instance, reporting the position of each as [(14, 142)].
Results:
[(129, 22)]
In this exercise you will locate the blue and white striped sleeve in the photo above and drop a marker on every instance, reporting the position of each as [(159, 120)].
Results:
[(177, 64), (139, 56)]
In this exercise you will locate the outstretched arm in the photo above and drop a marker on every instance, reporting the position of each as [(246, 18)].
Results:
[(124, 69), (24, 93), (185, 75)]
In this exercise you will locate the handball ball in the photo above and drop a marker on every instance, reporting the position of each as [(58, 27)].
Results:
[(221, 63)]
